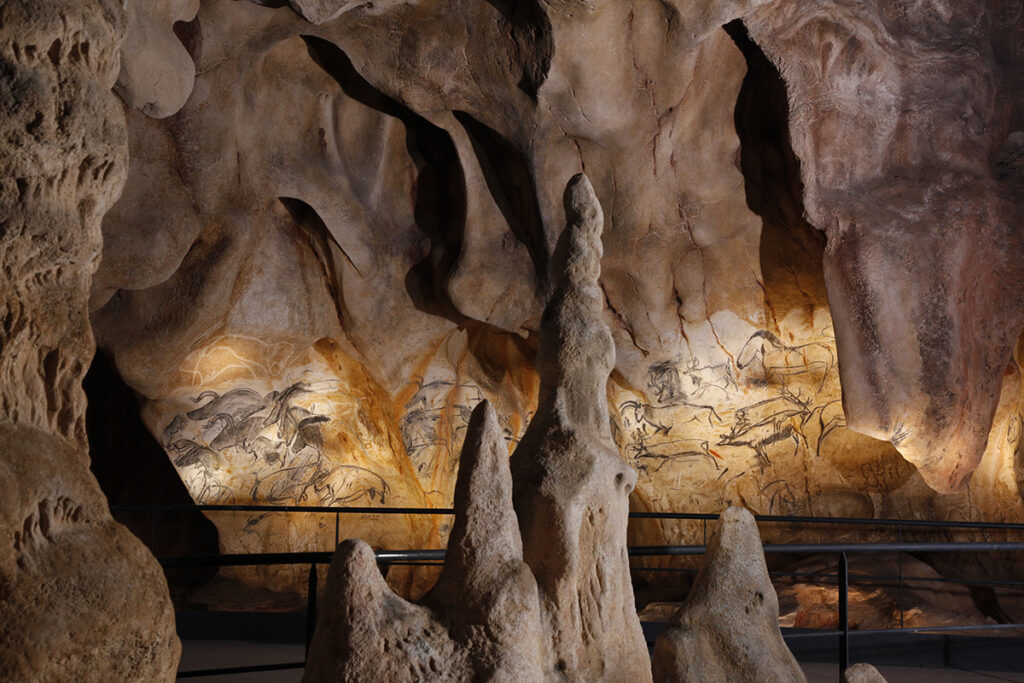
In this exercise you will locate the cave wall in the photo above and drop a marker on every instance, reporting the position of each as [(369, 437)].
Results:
[(341, 244), (80, 597)]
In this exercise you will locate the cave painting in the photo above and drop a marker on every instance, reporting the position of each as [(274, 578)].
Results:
[(383, 252), (284, 440)]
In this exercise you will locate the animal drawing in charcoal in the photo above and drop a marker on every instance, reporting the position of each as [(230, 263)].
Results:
[(674, 383), (765, 359), (276, 431), (768, 422), (644, 454)]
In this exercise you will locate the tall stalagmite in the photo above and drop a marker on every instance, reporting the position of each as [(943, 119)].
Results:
[(80, 597), (567, 613), (571, 486)]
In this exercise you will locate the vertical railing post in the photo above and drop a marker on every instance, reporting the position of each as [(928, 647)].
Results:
[(311, 607), (337, 525), (899, 537), (844, 615)]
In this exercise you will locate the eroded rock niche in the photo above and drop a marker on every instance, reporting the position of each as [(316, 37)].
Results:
[(536, 583)]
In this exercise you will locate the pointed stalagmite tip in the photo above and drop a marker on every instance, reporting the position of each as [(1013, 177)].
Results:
[(581, 205)]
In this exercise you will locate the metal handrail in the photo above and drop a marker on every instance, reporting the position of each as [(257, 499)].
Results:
[(694, 516), (435, 556)]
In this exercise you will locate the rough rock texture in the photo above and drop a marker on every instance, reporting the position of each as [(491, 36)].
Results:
[(922, 265), (862, 673), (480, 622), (553, 604), (571, 487), (80, 598), (350, 226), (728, 630)]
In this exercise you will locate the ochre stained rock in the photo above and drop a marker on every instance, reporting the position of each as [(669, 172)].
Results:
[(80, 597), (728, 630)]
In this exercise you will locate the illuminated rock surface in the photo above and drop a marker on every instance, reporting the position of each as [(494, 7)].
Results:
[(554, 603), (923, 261), (728, 630), (80, 597), (862, 673), (350, 224)]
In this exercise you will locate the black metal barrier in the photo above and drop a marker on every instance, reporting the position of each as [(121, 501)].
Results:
[(435, 557)]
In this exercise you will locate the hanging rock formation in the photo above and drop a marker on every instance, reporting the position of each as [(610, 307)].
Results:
[(80, 597), (313, 239), (553, 604), (923, 267), (728, 630)]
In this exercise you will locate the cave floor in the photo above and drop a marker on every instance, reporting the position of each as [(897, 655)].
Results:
[(208, 654)]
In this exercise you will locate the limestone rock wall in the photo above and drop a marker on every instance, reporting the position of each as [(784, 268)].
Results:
[(80, 598), (343, 241)]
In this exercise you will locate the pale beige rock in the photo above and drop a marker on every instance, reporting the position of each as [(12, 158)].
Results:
[(862, 673), (728, 630), (571, 487), (157, 72), (568, 612), (80, 598), (481, 621)]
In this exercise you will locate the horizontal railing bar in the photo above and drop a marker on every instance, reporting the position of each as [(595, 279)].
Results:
[(860, 578), (812, 548), (247, 559), (697, 516), (282, 508), (197, 673), (927, 629)]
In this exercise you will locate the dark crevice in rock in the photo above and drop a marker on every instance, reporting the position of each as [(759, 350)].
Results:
[(323, 244), (191, 36), (531, 32), (791, 249), (133, 469), (440, 201), (511, 183)]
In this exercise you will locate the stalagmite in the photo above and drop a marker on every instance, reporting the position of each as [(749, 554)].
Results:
[(567, 613), (862, 673), (481, 620), (571, 486), (728, 630)]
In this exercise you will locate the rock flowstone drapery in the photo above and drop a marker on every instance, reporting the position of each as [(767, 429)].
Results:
[(728, 630), (80, 597), (540, 591), (923, 268)]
